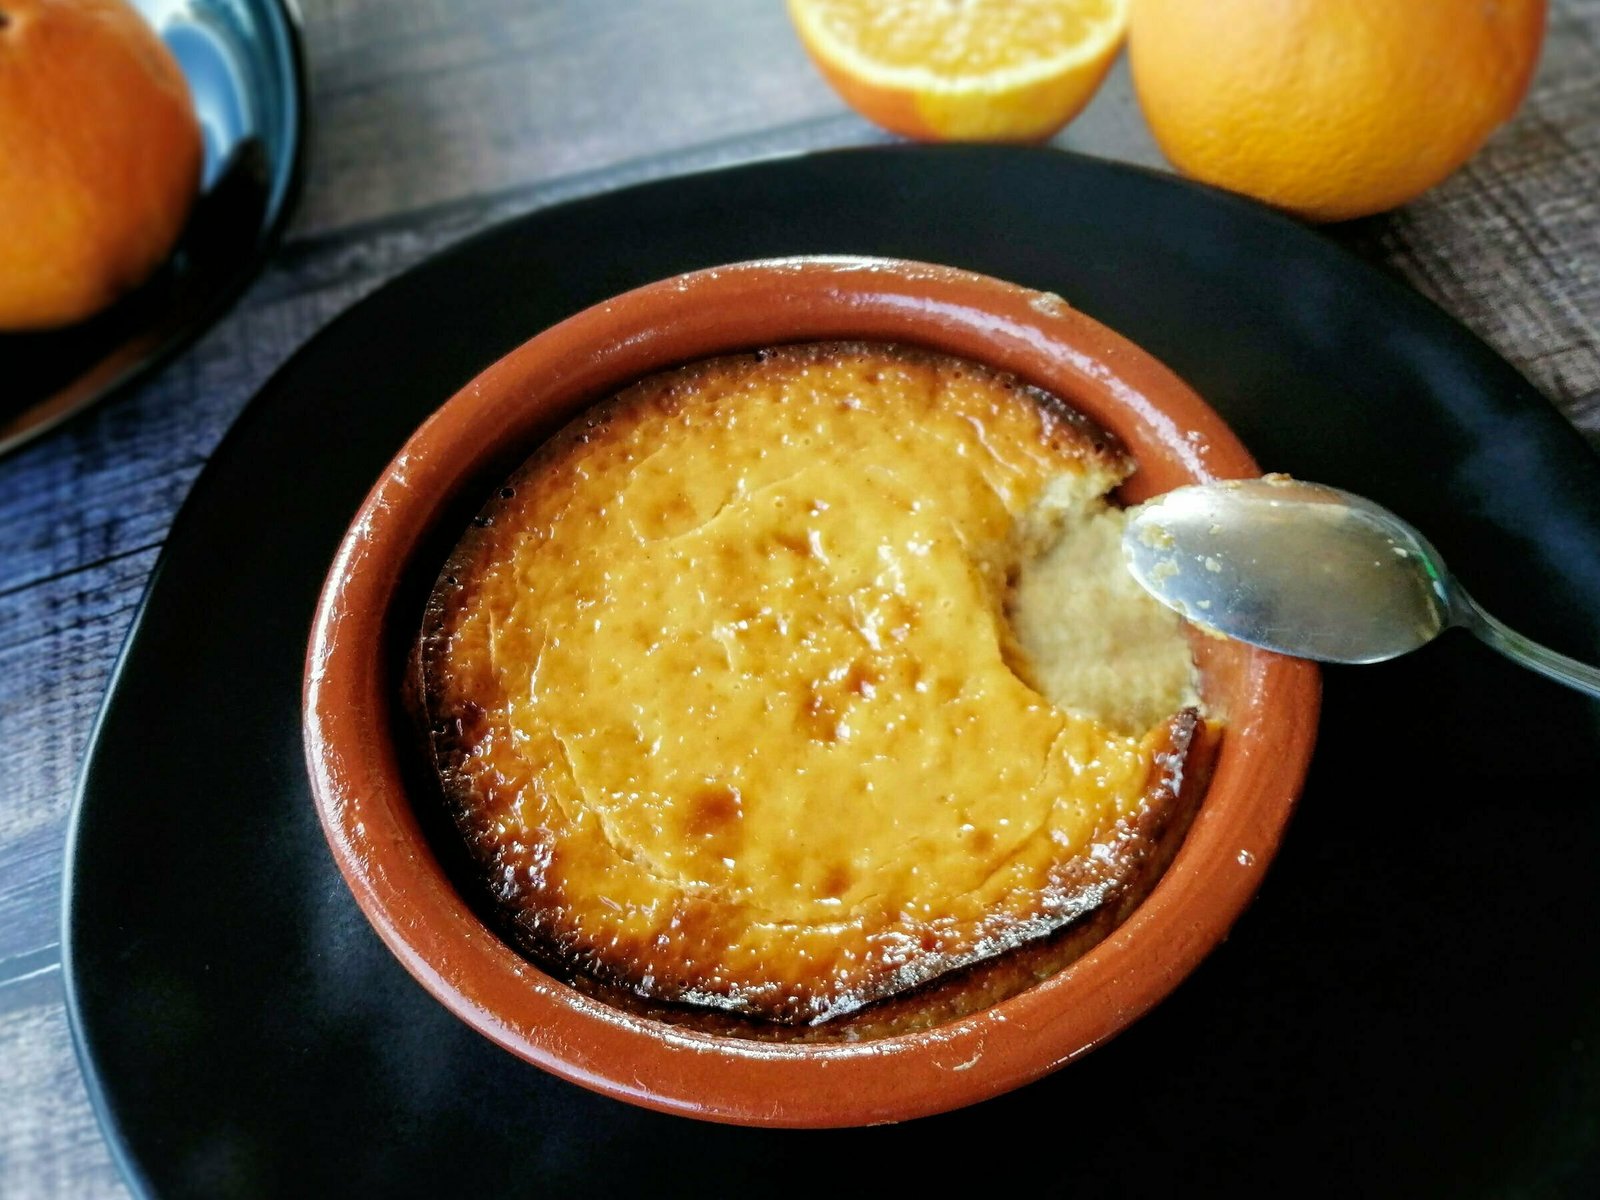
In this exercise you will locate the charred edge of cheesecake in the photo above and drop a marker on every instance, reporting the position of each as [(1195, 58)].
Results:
[(1144, 847), (1178, 779)]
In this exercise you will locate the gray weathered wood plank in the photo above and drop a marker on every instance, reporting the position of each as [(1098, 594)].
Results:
[(458, 100), (53, 1147)]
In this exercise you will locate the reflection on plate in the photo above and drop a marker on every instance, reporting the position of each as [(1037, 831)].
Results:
[(243, 61), (1411, 1005)]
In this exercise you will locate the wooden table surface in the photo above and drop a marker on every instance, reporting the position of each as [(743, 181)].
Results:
[(433, 118)]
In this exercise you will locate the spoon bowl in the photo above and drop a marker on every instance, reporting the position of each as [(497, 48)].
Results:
[(1314, 572)]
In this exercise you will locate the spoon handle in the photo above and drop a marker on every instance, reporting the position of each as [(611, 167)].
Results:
[(1529, 653)]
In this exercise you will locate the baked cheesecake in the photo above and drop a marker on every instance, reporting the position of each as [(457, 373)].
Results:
[(793, 682)]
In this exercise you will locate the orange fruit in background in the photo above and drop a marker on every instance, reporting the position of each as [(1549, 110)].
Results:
[(99, 157), (964, 70), (1330, 108)]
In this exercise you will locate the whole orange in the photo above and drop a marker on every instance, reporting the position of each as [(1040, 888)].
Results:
[(99, 157), (1330, 108)]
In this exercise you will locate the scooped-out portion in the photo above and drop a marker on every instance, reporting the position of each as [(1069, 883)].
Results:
[(790, 682)]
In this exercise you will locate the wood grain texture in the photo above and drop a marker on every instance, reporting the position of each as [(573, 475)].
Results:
[(454, 100), (435, 118), (1510, 245), (53, 1147)]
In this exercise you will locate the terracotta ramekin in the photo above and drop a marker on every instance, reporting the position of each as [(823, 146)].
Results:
[(371, 804)]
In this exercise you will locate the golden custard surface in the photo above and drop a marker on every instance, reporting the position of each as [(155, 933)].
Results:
[(734, 708)]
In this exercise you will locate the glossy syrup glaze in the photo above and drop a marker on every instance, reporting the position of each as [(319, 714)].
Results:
[(747, 694)]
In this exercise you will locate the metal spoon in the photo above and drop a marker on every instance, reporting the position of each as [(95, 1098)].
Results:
[(1314, 572)]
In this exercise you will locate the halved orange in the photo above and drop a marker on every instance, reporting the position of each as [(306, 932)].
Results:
[(964, 70)]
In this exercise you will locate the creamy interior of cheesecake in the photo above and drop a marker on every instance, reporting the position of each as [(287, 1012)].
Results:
[(789, 681), (1092, 640)]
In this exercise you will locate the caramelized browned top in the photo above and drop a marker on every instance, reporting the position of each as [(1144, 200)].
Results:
[(728, 701)]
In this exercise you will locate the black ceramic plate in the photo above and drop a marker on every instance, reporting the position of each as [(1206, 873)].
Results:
[(242, 60), (1411, 1003)]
